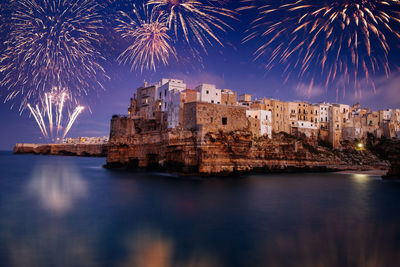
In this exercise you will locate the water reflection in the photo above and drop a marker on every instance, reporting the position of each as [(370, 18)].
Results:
[(151, 248), (58, 186), (333, 244)]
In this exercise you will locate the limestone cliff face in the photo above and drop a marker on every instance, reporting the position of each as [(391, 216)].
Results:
[(389, 150), (229, 152), (87, 150)]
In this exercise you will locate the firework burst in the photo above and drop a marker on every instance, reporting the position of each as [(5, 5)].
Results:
[(52, 43), (197, 20), (150, 40), (346, 40), (48, 114)]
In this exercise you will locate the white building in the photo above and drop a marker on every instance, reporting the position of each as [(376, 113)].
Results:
[(265, 117), (388, 114), (308, 128), (305, 125), (324, 112), (174, 108), (209, 93), (165, 90)]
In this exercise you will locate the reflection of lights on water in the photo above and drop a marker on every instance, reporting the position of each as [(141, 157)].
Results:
[(361, 178), (149, 248), (57, 186)]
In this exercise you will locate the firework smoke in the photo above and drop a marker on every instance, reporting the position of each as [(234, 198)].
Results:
[(346, 40), (52, 43)]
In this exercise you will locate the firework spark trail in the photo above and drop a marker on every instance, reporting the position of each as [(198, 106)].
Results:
[(42, 128), (52, 106), (150, 40), (60, 110), (49, 111), (346, 40), (72, 119), (52, 43), (196, 19)]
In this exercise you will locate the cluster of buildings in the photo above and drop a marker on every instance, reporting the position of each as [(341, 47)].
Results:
[(86, 140), (170, 104)]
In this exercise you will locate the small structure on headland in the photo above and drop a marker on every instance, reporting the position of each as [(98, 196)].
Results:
[(206, 130)]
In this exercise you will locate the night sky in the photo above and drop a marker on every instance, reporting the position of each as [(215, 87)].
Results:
[(232, 67)]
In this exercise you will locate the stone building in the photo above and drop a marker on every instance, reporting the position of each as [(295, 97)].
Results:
[(335, 126), (260, 122), (245, 99), (303, 112), (314, 116), (207, 117), (144, 105), (308, 128), (228, 97)]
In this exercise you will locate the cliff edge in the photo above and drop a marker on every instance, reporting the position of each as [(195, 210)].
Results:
[(188, 152)]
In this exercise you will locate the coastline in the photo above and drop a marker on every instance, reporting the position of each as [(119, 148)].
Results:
[(79, 150)]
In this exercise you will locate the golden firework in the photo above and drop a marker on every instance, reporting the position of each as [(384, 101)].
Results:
[(150, 39)]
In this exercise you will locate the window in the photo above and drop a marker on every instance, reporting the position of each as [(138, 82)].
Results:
[(212, 119), (256, 117), (218, 103), (207, 92), (212, 101), (216, 93), (160, 94), (338, 126), (266, 117), (165, 92), (224, 121)]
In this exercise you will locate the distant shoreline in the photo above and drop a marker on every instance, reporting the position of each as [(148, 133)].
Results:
[(80, 150)]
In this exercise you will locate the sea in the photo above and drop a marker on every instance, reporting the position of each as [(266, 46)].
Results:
[(70, 211)]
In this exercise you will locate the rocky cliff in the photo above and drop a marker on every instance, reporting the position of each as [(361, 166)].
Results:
[(83, 150), (233, 152), (390, 151)]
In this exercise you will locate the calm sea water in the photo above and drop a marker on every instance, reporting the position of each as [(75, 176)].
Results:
[(67, 211)]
